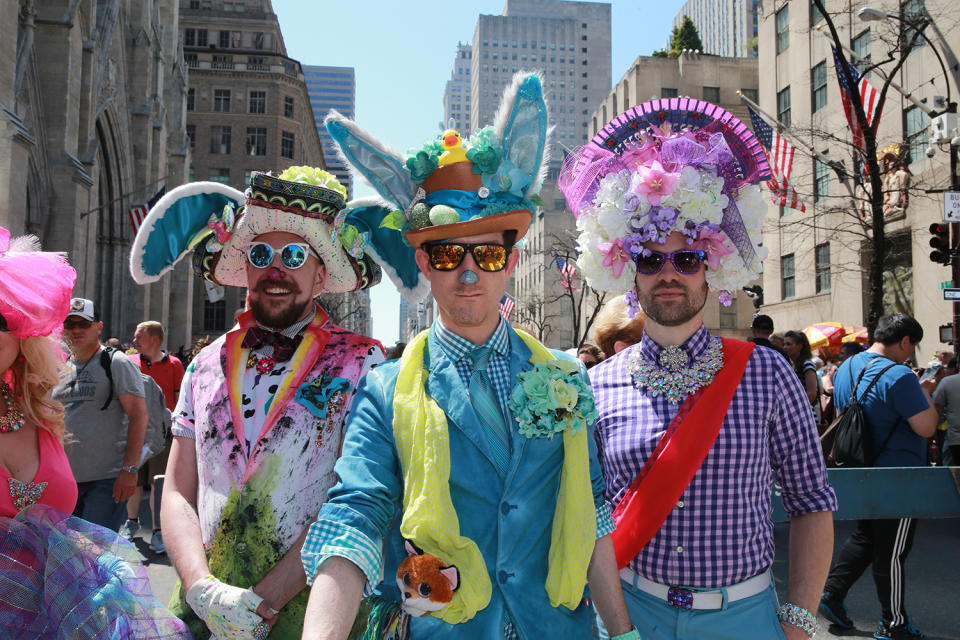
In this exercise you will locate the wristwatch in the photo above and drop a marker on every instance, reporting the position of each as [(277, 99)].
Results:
[(131, 469)]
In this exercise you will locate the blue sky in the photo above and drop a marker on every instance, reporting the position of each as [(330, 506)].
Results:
[(403, 53)]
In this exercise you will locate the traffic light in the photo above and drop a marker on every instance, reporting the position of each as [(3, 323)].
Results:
[(940, 242)]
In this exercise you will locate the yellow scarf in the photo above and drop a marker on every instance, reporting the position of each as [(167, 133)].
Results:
[(430, 521)]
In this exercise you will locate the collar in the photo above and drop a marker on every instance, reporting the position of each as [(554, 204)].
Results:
[(297, 327), (457, 347), (164, 357), (695, 346)]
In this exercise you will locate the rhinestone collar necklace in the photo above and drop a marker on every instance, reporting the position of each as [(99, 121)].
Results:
[(672, 377)]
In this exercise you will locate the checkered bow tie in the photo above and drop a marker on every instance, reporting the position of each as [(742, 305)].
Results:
[(283, 347)]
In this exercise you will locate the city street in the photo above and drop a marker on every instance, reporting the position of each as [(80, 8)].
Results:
[(932, 587)]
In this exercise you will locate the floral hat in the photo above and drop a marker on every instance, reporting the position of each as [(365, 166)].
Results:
[(35, 288), (450, 187), (217, 222), (668, 165)]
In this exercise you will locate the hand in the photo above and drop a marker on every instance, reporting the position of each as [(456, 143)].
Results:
[(124, 486), (229, 612), (928, 385)]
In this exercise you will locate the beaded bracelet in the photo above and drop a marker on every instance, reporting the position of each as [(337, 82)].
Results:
[(628, 635), (799, 617)]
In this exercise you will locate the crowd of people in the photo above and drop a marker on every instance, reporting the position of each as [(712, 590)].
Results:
[(472, 483)]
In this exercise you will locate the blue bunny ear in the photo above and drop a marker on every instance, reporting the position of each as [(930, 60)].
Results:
[(521, 127), (178, 222), (381, 166), (387, 247)]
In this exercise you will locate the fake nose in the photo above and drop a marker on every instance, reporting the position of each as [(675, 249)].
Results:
[(276, 274)]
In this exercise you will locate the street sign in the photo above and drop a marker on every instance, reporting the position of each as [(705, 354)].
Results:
[(951, 294), (951, 206), (946, 284)]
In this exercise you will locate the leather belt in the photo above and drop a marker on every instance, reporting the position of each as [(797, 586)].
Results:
[(698, 598)]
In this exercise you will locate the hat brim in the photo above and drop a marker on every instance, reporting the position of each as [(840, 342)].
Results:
[(518, 220), (256, 220)]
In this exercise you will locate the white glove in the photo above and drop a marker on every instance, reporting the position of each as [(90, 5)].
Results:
[(229, 612)]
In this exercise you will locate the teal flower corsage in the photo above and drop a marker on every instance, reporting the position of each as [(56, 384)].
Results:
[(550, 398)]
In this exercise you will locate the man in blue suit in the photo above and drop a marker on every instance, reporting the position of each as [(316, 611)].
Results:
[(448, 453)]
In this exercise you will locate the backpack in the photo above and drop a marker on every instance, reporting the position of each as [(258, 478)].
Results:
[(847, 441), (158, 416)]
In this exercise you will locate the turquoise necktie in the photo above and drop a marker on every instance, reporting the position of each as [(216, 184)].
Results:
[(483, 397)]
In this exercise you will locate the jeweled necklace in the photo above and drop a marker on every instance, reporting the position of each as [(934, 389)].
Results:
[(672, 377), (13, 418)]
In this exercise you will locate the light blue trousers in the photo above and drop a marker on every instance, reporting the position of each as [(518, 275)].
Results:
[(753, 618)]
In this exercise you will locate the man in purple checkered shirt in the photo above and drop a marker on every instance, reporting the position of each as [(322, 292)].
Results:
[(669, 216)]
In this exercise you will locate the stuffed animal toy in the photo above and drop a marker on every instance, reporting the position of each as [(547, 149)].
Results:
[(426, 584)]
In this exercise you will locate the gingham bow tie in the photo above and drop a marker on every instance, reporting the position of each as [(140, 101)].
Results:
[(283, 347)]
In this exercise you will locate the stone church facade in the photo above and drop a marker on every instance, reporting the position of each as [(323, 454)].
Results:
[(92, 123)]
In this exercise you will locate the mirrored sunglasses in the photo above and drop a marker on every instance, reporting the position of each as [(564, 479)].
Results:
[(292, 256), (447, 256), (78, 323), (685, 261)]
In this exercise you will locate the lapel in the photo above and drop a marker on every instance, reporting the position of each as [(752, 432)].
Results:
[(519, 362), (314, 341), (445, 386)]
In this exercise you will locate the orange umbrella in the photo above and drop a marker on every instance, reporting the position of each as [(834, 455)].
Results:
[(856, 333), (824, 335)]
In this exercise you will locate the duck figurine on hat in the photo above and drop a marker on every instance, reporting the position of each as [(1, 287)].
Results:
[(448, 188)]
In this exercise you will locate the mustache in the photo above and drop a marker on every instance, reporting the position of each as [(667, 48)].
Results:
[(672, 284), (267, 283)]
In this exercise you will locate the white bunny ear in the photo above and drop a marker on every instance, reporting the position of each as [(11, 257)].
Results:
[(521, 126), (381, 166)]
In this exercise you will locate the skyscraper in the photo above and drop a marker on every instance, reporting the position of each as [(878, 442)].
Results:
[(332, 88), (569, 44), (456, 96), (726, 27)]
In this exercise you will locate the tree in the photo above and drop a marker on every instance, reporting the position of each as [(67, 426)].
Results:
[(683, 37), (583, 302), (867, 174)]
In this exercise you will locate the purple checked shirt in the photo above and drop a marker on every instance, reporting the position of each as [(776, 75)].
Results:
[(720, 531)]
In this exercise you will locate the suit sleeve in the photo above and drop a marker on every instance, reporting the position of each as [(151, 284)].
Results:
[(360, 507)]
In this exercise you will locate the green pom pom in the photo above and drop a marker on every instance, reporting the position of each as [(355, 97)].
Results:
[(420, 216), (442, 214)]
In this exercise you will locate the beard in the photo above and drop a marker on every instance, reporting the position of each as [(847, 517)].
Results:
[(672, 313), (269, 314)]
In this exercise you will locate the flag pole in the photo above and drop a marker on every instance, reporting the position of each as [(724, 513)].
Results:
[(833, 164), (893, 85)]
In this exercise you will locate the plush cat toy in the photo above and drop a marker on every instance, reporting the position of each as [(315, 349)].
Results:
[(426, 584)]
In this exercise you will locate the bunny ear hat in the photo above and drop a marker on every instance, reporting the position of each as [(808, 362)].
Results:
[(450, 187), (216, 223)]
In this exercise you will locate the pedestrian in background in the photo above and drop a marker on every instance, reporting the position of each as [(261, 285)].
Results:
[(901, 416), (614, 329), (167, 371), (762, 328), (947, 401), (106, 417), (797, 348)]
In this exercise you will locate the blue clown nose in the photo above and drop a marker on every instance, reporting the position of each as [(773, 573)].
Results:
[(468, 277)]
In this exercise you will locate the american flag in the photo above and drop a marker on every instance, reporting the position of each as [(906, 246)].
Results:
[(780, 154), (567, 270), (869, 99), (139, 213), (506, 306)]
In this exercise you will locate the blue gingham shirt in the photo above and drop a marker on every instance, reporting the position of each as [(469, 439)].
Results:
[(720, 531)]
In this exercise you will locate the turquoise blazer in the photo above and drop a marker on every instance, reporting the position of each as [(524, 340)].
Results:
[(509, 517)]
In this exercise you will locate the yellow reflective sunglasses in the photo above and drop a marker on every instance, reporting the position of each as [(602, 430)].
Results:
[(447, 256)]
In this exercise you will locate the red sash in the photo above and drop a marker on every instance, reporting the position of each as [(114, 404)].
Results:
[(680, 452)]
